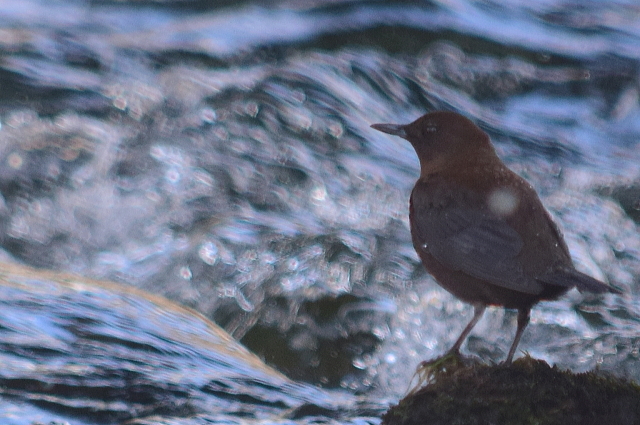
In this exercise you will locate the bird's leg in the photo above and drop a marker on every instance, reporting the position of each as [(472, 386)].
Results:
[(427, 371), (477, 314), (523, 321)]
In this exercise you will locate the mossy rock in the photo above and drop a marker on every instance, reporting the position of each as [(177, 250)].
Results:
[(526, 392)]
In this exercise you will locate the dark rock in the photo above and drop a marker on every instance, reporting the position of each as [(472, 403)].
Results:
[(527, 392)]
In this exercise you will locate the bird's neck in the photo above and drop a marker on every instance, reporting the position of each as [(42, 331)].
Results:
[(472, 166)]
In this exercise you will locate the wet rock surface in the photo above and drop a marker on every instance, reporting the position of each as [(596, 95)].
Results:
[(528, 391)]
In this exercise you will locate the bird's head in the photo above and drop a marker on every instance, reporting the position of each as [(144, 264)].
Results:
[(443, 139)]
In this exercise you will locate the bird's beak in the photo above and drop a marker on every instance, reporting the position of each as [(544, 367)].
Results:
[(395, 129)]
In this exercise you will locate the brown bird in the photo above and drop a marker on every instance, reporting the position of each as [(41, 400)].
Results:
[(479, 228)]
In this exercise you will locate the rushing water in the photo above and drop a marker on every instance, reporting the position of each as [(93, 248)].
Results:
[(221, 157)]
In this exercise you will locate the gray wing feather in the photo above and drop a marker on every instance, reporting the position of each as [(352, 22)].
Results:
[(477, 243)]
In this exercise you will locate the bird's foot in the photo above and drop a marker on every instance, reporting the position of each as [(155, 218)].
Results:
[(428, 371)]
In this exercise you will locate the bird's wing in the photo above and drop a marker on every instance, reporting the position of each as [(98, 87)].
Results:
[(474, 241)]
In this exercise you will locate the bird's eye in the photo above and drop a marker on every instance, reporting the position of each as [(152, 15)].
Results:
[(430, 128)]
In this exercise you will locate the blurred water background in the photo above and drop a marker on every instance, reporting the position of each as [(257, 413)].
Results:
[(219, 154)]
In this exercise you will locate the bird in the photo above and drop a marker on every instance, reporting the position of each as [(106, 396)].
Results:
[(479, 228)]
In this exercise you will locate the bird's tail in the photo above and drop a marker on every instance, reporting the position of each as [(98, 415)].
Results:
[(570, 277)]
